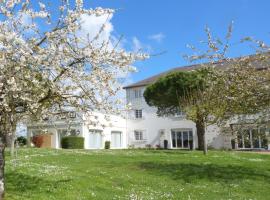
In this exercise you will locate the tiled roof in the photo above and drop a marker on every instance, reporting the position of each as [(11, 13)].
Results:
[(152, 79)]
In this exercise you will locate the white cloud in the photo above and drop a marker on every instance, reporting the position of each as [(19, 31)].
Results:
[(25, 19), (91, 27), (136, 44), (157, 37)]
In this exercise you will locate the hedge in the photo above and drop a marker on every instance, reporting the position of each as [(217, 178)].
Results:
[(72, 142), (21, 140)]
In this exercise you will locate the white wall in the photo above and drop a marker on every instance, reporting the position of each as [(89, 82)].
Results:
[(99, 121), (152, 125)]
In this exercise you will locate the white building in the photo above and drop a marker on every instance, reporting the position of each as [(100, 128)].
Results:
[(145, 128), (95, 129), (141, 127)]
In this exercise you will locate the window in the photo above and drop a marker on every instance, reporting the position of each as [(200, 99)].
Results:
[(182, 139), (138, 93), (179, 113), (138, 135), (138, 114), (72, 114)]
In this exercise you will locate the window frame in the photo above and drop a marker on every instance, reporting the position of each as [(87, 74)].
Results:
[(138, 113), (137, 93), (140, 135)]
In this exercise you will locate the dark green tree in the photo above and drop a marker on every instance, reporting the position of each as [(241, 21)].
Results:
[(183, 90)]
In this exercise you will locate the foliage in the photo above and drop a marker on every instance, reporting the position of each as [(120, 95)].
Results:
[(238, 86), (169, 93), (21, 140), (142, 174), (107, 144), (72, 142), (37, 140)]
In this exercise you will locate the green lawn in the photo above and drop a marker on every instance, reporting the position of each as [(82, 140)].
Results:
[(136, 174)]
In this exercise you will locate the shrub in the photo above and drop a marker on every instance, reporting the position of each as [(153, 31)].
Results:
[(37, 140), (72, 142), (21, 140), (165, 144), (107, 144)]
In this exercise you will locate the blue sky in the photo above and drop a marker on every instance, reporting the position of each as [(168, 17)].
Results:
[(182, 22), (157, 26)]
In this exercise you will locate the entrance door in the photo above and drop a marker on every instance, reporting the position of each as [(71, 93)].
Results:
[(116, 139), (95, 139)]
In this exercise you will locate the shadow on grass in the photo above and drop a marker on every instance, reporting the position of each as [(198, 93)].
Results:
[(163, 151), (19, 183), (211, 172)]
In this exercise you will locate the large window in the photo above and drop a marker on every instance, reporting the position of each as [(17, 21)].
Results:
[(95, 139), (182, 139), (252, 138), (138, 135), (138, 114)]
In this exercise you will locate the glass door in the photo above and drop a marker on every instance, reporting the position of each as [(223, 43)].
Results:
[(182, 139), (252, 138), (95, 139), (185, 139), (116, 139)]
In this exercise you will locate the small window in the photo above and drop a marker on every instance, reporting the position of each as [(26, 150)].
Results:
[(72, 114), (179, 114), (138, 114), (138, 93), (138, 135)]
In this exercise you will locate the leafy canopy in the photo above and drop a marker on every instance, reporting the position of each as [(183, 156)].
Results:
[(174, 91)]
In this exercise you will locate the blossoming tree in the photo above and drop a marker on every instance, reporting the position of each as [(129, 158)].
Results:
[(47, 64), (239, 87)]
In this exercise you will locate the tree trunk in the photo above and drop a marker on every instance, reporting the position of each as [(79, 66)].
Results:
[(200, 134), (12, 141), (2, 167), (202, 143), (12, 146)]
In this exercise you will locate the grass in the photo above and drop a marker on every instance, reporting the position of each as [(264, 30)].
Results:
[(136, 174)]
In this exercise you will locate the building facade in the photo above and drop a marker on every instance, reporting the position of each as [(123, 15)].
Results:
[(145, 128), (95, 129), (141, 127)]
